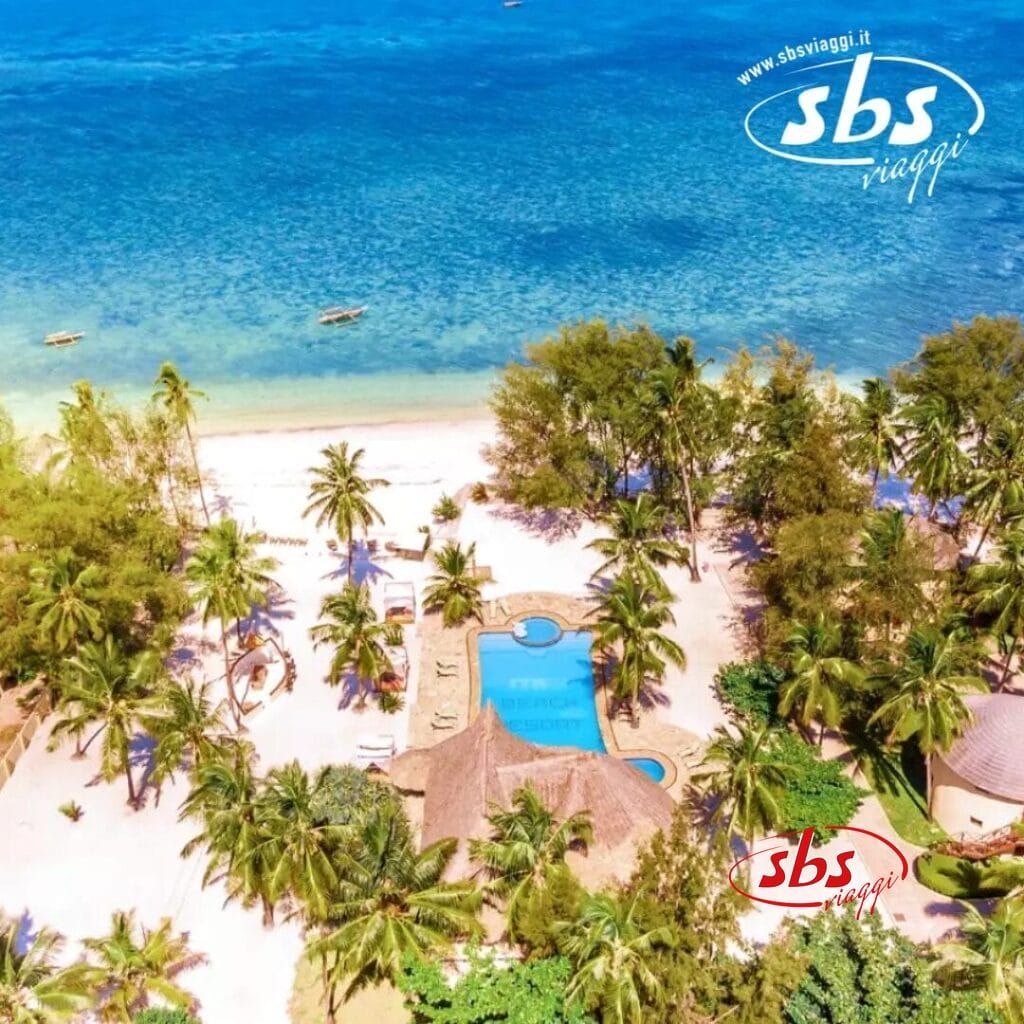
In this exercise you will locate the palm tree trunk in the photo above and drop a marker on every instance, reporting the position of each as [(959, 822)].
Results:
[(821, 735), (268, 912), (694, 571), (1008, 664), (351, 552), (928, 783), (199, 476), (133, 799), (236, 708), (984, 537), (332, 1005)]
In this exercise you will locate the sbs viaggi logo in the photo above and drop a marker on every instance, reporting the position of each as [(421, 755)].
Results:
[(786, 873), (897, 118)]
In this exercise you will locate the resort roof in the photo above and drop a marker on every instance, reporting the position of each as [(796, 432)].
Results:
[(988, 753), (485, 764), (945, 549)]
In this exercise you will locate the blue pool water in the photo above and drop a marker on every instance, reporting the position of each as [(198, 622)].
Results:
[(544, 694), (192, 181), (655, 769), (537, 631)]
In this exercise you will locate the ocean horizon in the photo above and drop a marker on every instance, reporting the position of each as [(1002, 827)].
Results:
[(195, 184)]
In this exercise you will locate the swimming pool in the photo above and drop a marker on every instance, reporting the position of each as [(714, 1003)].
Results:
[(541, 683)]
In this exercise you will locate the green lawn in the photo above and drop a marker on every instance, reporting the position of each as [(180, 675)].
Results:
[(899, 785)]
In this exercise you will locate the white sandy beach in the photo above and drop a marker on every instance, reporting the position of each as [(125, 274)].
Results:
[(72, 876)]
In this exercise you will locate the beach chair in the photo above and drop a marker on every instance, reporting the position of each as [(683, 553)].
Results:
[(375, 751)]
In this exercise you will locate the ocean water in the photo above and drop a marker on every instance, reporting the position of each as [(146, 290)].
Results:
[(193, 181)]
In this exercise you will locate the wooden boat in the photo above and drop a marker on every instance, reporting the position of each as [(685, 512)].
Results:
[(64, 338), (512, 3), (338, 315)]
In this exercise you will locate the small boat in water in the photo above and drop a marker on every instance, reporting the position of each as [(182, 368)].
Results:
[(338, 315), (512, 3), (64, 338)]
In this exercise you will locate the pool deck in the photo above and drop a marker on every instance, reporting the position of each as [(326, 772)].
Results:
[(456, 693)]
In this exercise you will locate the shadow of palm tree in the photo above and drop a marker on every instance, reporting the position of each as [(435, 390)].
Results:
[(220, 506), (142, 755), (364, 568), (264, 618), (351, 692)]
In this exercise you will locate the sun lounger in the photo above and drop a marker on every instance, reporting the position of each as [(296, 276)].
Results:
[(375, 751)]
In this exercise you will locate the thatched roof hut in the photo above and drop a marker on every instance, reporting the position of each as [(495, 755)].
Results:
[(944, 546), (485, 764)]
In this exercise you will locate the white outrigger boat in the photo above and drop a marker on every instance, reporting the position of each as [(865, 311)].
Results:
[(339, 315), (61, 339)]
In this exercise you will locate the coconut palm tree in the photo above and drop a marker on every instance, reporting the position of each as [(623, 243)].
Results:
[(188, 724), (127, 968), (935, 459), (927, 688), (820, 677), (104, 687), (390, 902), (744, 772), (875, 432), (996, 485), (453, 590), (680, 398), (351, 626), (998, 591), (990, 958), (638, 544), (85, 428), (228, 577), (630, 623), (526, 848), (33, 989), (298, 848), (224, 799), (338, 495), (63, 601), (176, 395), (610, 957)]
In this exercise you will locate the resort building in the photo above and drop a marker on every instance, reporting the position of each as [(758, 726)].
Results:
[(978, 784)]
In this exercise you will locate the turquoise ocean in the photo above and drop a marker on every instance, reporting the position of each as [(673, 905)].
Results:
[(192, 181)]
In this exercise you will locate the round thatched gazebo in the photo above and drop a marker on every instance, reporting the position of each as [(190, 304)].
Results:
[(978, 784)]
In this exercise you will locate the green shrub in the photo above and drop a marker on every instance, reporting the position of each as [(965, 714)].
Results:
[(964, 879), (751, 689), (478, 495), (159, 1015), (446, 510), (817, 792), (344, 794)]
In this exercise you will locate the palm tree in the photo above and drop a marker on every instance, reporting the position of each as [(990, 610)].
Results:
[(679, 395), (104, 687), (33, 990), (391, 902), (610, 958), (991, 957), (874, 430), (527, 847), (894, 565), (998, 590), (453, 590), (176, 394), (298, 848), (927, 692), (224, 799), (638, 544), (126, 969), (228, 578), (188, 723), (997, 484), (819, 675), (84, 426), (63, 601), (351, 626), (744, 772), (935, 459), (338, 495), (630, 623)]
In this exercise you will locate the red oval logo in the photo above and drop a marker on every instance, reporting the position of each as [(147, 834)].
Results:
[(789, 875)]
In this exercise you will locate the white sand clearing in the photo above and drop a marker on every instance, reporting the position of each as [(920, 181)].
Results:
[(72, 876)]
